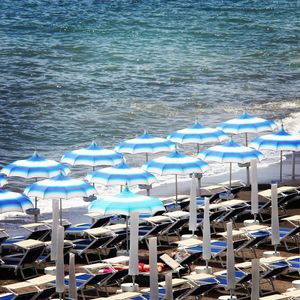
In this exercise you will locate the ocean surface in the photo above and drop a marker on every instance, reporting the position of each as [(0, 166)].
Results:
[(82, 70)]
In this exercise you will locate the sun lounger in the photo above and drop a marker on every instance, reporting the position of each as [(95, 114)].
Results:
[(78, 229), (90, 248), (26, 261), (19, 291), (38, 231)]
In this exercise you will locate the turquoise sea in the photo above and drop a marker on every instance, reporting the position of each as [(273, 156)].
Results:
[(74, 71)]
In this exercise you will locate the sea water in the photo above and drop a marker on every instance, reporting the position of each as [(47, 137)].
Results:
[(83, 70)]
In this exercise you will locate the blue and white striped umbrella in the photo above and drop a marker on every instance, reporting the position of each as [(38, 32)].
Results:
[(60, 187), (145, 143), (3, 180), (126, 202), (121, 174), (35, 167), (279, 141), (175, 164), (197, 134), (230, 152), (13, 202), (93, 156), (246, 123)]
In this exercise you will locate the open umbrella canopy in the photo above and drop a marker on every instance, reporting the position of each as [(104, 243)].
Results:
[(122, 174), (175, 164), (93, 156), (3, 180), (13, 202), (145, 143), (35, 167), (60, 187), (197, 134), (279, 141), (126, 202), (230, 152), (247, 124)]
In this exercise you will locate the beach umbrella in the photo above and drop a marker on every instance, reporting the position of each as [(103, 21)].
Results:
[(72, 277), (206, 255), (126, 202), (245, 124), (122, 175), (3, 180), (134, 246), (13, 202), (93, 156), (145, 143), (230, 152), (60, 187), (169, 286), (35, 167), (153, 268), (275, 217), (197, 134), (279, 141), (255, 279), (230, 260), (59, 263), (193, 206), (175, 164), (254, 188)]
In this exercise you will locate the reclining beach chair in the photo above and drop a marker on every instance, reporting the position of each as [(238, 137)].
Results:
[(19, 291), (269, 276), (153, 229), (285, 194), (3, 235), (294, 263), (178, 220), (242, 279), (46, 255), (42, 284), (98, 238), (78, 229), (38, 231), (23, 262), (289, 235)]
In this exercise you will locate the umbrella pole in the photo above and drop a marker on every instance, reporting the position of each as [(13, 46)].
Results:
[(293, 165), (199, 186), (147, 157), (127, 235), (247, 168), (230, 175), (60, 210), (198, 148), (35, 206), (176, 189), (280, 166)]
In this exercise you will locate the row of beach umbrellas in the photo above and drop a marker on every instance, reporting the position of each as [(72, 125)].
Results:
[(119, 173)]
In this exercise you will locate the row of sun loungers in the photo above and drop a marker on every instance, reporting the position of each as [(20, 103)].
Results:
[(28, 255)]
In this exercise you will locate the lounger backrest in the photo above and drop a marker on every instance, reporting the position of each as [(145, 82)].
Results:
[(46, 293), (101, 222), (100, 242), (117, 240), (172, 263), (177, 225), (118, 275), (25, 296), (191, 259), (39, 234), (199, 290), (274, 272), (31, 255)]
